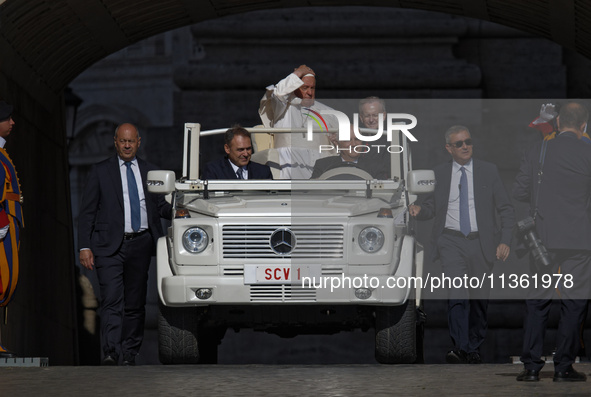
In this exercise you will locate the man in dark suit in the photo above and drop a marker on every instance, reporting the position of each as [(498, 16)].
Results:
[(560, 204), (118, 225), (351, 154), (370, 109), (468, 195), (237, 164)]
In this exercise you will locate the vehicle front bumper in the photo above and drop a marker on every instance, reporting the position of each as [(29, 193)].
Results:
[(391, 289)]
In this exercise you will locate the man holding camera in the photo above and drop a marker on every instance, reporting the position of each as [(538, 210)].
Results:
[(468, 195), (555, 177)]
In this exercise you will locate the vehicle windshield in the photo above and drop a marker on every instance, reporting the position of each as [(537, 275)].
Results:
[(350, 163), (300, 160)]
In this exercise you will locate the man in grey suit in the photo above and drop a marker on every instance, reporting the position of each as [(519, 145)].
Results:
[(468, 196), (118, 225), (560, 203)]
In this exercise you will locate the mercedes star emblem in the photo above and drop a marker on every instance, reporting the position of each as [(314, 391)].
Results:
[(282, 241)]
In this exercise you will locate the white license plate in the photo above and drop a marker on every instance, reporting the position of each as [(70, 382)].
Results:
[(263, 274)]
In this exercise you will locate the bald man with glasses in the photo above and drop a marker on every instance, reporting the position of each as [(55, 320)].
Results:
[(466, 238)]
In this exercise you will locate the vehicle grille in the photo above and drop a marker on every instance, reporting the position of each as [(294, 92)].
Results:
[(233, 271), (312, 241), (281, 293)]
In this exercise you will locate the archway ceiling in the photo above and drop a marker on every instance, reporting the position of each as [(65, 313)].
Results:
[(44, 44)]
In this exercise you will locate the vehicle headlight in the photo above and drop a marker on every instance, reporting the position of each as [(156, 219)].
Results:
[(371, 239), (195, 240)]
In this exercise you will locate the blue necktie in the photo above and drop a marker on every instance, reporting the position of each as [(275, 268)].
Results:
[(240, 173), (464, 205), (134, 198)]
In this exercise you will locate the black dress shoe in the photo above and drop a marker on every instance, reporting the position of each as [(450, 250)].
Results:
[(569, 376), (529, 375), (456, 356), (474, 358), (128, 359), (109, 360), (129, 362)]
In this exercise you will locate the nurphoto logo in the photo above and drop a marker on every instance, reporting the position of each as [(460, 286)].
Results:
[(393, 123)]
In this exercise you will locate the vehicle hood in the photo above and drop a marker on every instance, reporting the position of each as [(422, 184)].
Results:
[(287, 205)]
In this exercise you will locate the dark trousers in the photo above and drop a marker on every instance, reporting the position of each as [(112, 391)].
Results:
[(573, 306), (467, 307), (123, 279)]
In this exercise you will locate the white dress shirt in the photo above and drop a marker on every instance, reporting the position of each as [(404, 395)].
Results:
[(235, 168)]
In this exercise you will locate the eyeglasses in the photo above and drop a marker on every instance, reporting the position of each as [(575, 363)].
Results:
[(459, 144)]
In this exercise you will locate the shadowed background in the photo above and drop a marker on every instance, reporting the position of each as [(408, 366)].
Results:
[(214, 73)]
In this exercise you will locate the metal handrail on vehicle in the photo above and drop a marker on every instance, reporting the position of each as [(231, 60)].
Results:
[(272, 130), (193, 133), (285, 185)]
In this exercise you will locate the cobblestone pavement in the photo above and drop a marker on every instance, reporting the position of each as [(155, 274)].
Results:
[(285, 380)]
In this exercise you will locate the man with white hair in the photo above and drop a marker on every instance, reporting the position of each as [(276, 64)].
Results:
[(370, 109), (290, 104)]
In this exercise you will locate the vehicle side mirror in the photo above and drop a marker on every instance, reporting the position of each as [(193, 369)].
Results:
[(161, 182), (421, 181)]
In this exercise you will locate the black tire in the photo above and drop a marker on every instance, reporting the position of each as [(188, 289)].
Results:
[(178, 337), (396, 334)]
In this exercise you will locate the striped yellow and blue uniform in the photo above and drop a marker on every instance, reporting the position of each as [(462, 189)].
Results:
[(11, 214)]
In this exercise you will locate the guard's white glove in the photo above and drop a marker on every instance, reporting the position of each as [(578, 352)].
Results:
[(3, 232), (547, 113)]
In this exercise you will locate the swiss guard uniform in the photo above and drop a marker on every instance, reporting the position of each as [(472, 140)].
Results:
[(11, 220), (11, 215)]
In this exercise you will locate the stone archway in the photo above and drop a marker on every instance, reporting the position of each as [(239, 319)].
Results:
[(44, 45)]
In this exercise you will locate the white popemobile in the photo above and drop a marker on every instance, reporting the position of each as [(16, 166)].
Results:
[(289, 256)]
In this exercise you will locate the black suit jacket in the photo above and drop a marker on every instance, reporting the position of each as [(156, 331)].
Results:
[(563, 220), (490, 199), (364, 162), (221, 169), (101, 223)]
